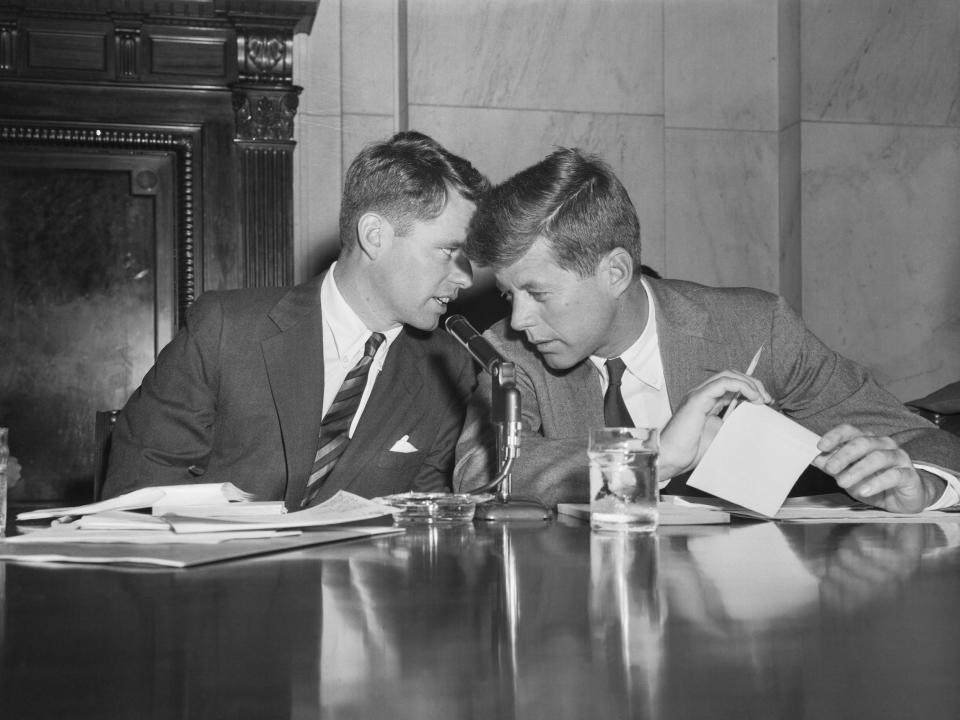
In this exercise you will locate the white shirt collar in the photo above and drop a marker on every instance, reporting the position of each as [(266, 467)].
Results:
[(642, 358), (344, 328)]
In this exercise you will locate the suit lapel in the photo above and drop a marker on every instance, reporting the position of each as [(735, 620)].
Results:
[(294, 362), (689, 342), (395, 390)]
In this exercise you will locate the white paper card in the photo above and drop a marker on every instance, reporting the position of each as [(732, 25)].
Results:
[(755, 458)]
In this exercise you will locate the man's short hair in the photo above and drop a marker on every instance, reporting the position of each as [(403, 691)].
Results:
[(572, 200), (405, 178)]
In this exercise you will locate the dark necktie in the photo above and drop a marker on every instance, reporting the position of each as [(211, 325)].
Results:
[(335, 426), (615, 412)]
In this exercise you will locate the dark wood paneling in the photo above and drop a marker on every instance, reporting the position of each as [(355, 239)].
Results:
[(69, 51), (205, 84), (194, 57)]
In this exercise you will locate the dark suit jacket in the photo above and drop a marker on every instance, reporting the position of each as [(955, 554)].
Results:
[(701, 330), (236, 397)]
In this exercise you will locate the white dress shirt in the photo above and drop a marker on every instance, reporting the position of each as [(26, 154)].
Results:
[(644, 391), (643, 387), (344, 338)]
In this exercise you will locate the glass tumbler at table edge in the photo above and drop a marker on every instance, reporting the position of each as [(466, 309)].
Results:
[(4, 458), (623, 479)]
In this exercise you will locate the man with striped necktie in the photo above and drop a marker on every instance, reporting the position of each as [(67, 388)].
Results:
[(339, 383)]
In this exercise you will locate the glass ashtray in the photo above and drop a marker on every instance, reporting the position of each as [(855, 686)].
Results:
[(417, 508)]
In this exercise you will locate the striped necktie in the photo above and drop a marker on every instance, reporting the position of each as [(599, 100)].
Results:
[(335, 426), (615, 413)]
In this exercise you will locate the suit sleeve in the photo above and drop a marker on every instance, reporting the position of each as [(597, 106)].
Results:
[(550, 470), (164, 434), (821, 389)]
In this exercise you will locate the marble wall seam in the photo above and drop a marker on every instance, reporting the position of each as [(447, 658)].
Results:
[(722, 206)]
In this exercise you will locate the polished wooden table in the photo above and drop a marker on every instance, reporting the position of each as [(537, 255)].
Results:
[(753, 620)]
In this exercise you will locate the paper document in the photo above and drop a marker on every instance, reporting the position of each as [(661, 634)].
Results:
[(121, 520), (70, 534), (258, 508), (341, 508), (175, 495), (672, 510), (755, 458), (838, 507), (178, 555)]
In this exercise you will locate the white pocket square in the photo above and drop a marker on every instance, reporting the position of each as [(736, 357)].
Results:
[(403, 445)]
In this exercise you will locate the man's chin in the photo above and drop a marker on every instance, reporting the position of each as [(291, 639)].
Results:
[(557, 361), (427, 323)]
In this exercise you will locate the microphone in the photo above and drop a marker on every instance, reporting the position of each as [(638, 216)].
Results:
[(477, 345), (506, 418)]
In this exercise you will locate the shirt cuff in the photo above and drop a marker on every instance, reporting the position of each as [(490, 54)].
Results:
[(951, 495)]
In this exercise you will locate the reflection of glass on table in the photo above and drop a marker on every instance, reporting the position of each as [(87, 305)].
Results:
[(626, 620)]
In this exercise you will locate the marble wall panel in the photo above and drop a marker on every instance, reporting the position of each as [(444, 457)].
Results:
[(368, 56), (722, 207), (881, 249), (537, 54), (316, 62), (359, 130), (721, 64), (316, 159), (317, 181), (895, 61), (502, 142)]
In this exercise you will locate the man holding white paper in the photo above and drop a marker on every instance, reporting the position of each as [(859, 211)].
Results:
[(563, 240)]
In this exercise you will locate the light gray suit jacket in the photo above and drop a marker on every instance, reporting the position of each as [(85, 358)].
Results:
[(701, 330)]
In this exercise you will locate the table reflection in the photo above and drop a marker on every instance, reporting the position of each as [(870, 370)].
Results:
[(90, 642), (626, 621), (503, 621)]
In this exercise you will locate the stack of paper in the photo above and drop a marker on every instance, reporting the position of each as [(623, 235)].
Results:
[(672, 510), (210, 515), (201, 498)]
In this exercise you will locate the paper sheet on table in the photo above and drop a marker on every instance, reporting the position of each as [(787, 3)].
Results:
[(755, 458), (121, 520), (70, 534), (672, 510), (341, 508), (179, 495), (838, 507), (179, 555)]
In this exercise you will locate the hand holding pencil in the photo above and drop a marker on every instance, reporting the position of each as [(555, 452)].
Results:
[(696, 421), (751, 368)]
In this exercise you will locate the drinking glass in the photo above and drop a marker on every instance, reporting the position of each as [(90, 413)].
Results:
[(623, 479), (4, 458)]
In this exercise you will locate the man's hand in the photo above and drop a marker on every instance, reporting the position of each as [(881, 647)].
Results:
[(693, 426), (876, 470)]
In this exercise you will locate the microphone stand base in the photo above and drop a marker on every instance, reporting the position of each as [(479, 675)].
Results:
[(500, 511)]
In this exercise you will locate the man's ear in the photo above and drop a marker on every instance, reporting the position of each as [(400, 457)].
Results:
[(617, 269), (373, 234)]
